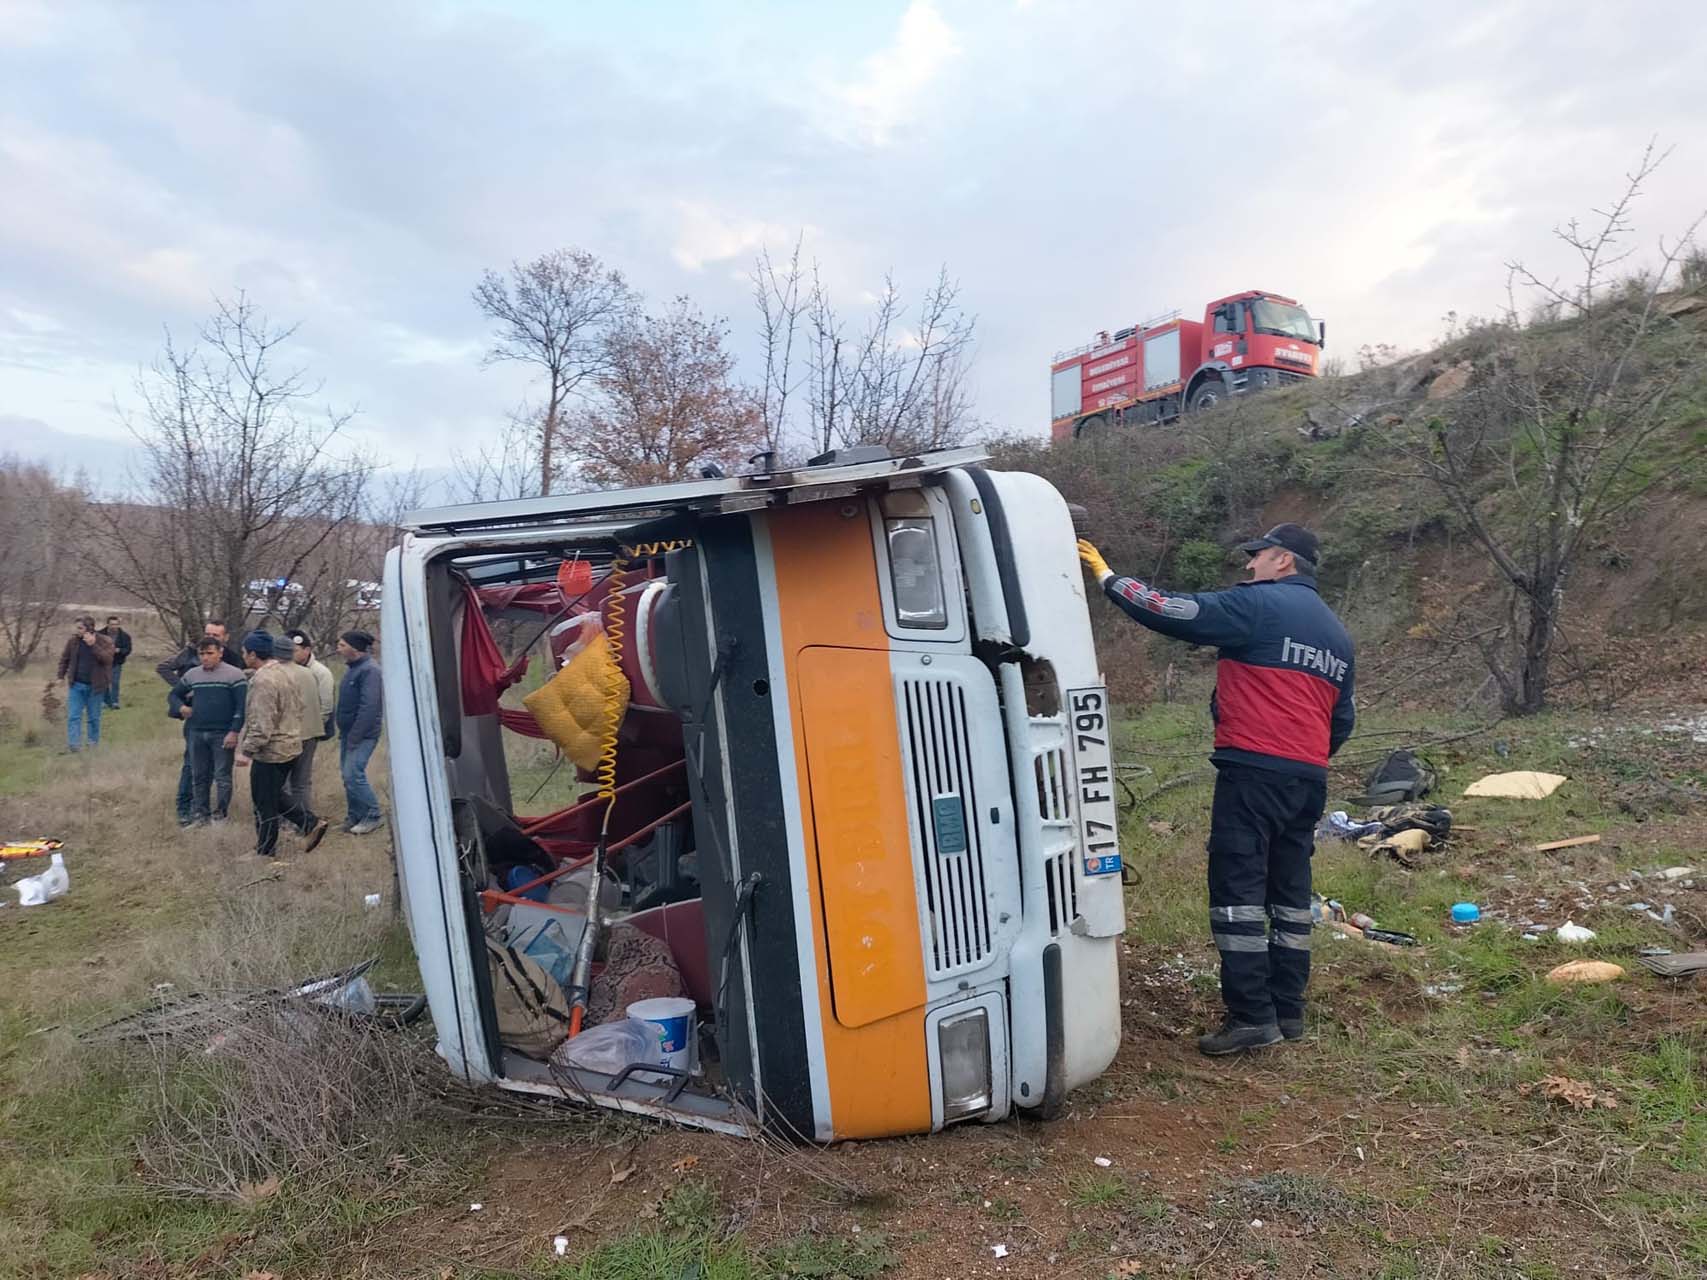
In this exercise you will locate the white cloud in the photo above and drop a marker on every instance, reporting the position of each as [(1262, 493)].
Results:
[(705, 235), (27, 22), (893, 85)]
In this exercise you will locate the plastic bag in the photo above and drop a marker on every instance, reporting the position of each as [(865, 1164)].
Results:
[(355, 996), (609, 1047), (34, 891), (571, 890)]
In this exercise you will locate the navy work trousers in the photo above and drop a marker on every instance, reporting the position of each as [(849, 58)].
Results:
[(1261, 834)]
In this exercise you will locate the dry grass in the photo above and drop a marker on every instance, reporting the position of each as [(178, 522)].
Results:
[(277, 1102)]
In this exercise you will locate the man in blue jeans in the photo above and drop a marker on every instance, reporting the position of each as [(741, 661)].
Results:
[(86, 666), (360, 716), (115, 632), (209, 699), (174, 669)]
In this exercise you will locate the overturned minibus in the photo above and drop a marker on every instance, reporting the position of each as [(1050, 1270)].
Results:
[(852, 795)]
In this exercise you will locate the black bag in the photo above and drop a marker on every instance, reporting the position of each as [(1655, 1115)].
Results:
[(1402, 776)]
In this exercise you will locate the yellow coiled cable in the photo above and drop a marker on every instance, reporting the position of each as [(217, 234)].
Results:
[(580, 983), (615, 629)]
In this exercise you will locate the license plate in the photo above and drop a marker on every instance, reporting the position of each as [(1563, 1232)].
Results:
[(1093, 780)]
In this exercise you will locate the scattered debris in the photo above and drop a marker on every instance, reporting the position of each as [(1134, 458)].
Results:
[(1572, 843), (1403, 846), (37, 890), (1674, 873), (475, 1207), (1339, 825), (1586, 971), (370, 902), (1572, 932), (1577, 1093), (1525, 784), (1102, 1162), (29, 848), (1402, 775), (560, 1246), (1000, 1250), (1681, 965), (1441, 990)]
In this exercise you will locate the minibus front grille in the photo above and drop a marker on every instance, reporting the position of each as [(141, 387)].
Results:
[(1054, 808), (951, 849)]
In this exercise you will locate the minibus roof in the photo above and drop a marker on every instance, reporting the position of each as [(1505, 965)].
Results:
[(812, 482)]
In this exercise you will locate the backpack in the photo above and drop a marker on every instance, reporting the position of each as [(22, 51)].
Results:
[(533, 1012), (1402, 776)]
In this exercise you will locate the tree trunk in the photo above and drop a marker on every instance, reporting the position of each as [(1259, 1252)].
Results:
[(547, 432), (1537, 656)]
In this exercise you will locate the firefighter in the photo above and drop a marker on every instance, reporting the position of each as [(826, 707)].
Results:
[(1282, 705)]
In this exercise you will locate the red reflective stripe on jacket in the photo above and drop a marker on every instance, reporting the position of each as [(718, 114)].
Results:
[(1274, 711)]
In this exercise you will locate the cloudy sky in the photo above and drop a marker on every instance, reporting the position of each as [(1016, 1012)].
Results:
[(1077, 165)]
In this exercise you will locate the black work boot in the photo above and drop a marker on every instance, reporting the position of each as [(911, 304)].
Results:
[(1292, 1028), (1236, 1037)]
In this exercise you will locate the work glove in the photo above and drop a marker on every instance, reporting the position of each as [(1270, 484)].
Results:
[(1094, 562)]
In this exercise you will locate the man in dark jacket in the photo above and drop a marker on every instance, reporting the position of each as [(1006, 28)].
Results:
[(86, 665), (209, 700), (121, 650), (1282, 705), (171, 671), (360, 716)]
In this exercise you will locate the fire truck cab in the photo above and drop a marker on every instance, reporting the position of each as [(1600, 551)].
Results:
[(864, 794)]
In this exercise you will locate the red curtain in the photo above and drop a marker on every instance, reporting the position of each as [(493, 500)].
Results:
[(484, 675)]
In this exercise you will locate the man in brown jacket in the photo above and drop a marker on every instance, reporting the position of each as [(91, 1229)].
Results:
[(86, 666), (271, 742)]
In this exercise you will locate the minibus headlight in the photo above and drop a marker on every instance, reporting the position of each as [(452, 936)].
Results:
[(914, 570), (963, 1049)]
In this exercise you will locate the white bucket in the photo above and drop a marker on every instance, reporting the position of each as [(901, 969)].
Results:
[(673, 1020)]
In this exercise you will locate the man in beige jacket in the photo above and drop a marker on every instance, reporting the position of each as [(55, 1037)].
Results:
[(271, 742), (317, 707)]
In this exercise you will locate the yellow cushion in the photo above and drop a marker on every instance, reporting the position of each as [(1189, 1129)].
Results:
[(575, 705)]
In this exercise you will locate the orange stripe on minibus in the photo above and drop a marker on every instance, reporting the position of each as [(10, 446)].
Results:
[(858, 855)]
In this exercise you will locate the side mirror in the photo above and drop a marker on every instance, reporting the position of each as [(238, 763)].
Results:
[(1322, 334)]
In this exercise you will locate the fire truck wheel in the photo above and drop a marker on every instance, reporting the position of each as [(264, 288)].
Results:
[(1209, 393), (1093, 426)]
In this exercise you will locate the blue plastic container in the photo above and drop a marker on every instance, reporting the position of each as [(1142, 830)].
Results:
[(1465, 913)]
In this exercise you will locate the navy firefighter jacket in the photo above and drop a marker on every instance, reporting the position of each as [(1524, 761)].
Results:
[(1283, 685)]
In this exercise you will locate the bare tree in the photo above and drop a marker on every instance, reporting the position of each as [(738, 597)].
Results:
[(668, 403), (1564, 430), (240, 479), (339, 584), (507, 467), (39, 521), (901, 382), (777, 296), (553, 313)]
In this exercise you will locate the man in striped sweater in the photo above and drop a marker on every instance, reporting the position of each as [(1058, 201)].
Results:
[(209, 699)]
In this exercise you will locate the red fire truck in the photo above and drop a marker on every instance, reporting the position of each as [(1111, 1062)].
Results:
[(1153, 371)]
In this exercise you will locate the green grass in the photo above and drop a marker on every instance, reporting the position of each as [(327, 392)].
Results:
[(31, 747)]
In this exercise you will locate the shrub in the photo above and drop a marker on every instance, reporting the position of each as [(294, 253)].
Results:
[(1199, 566)]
